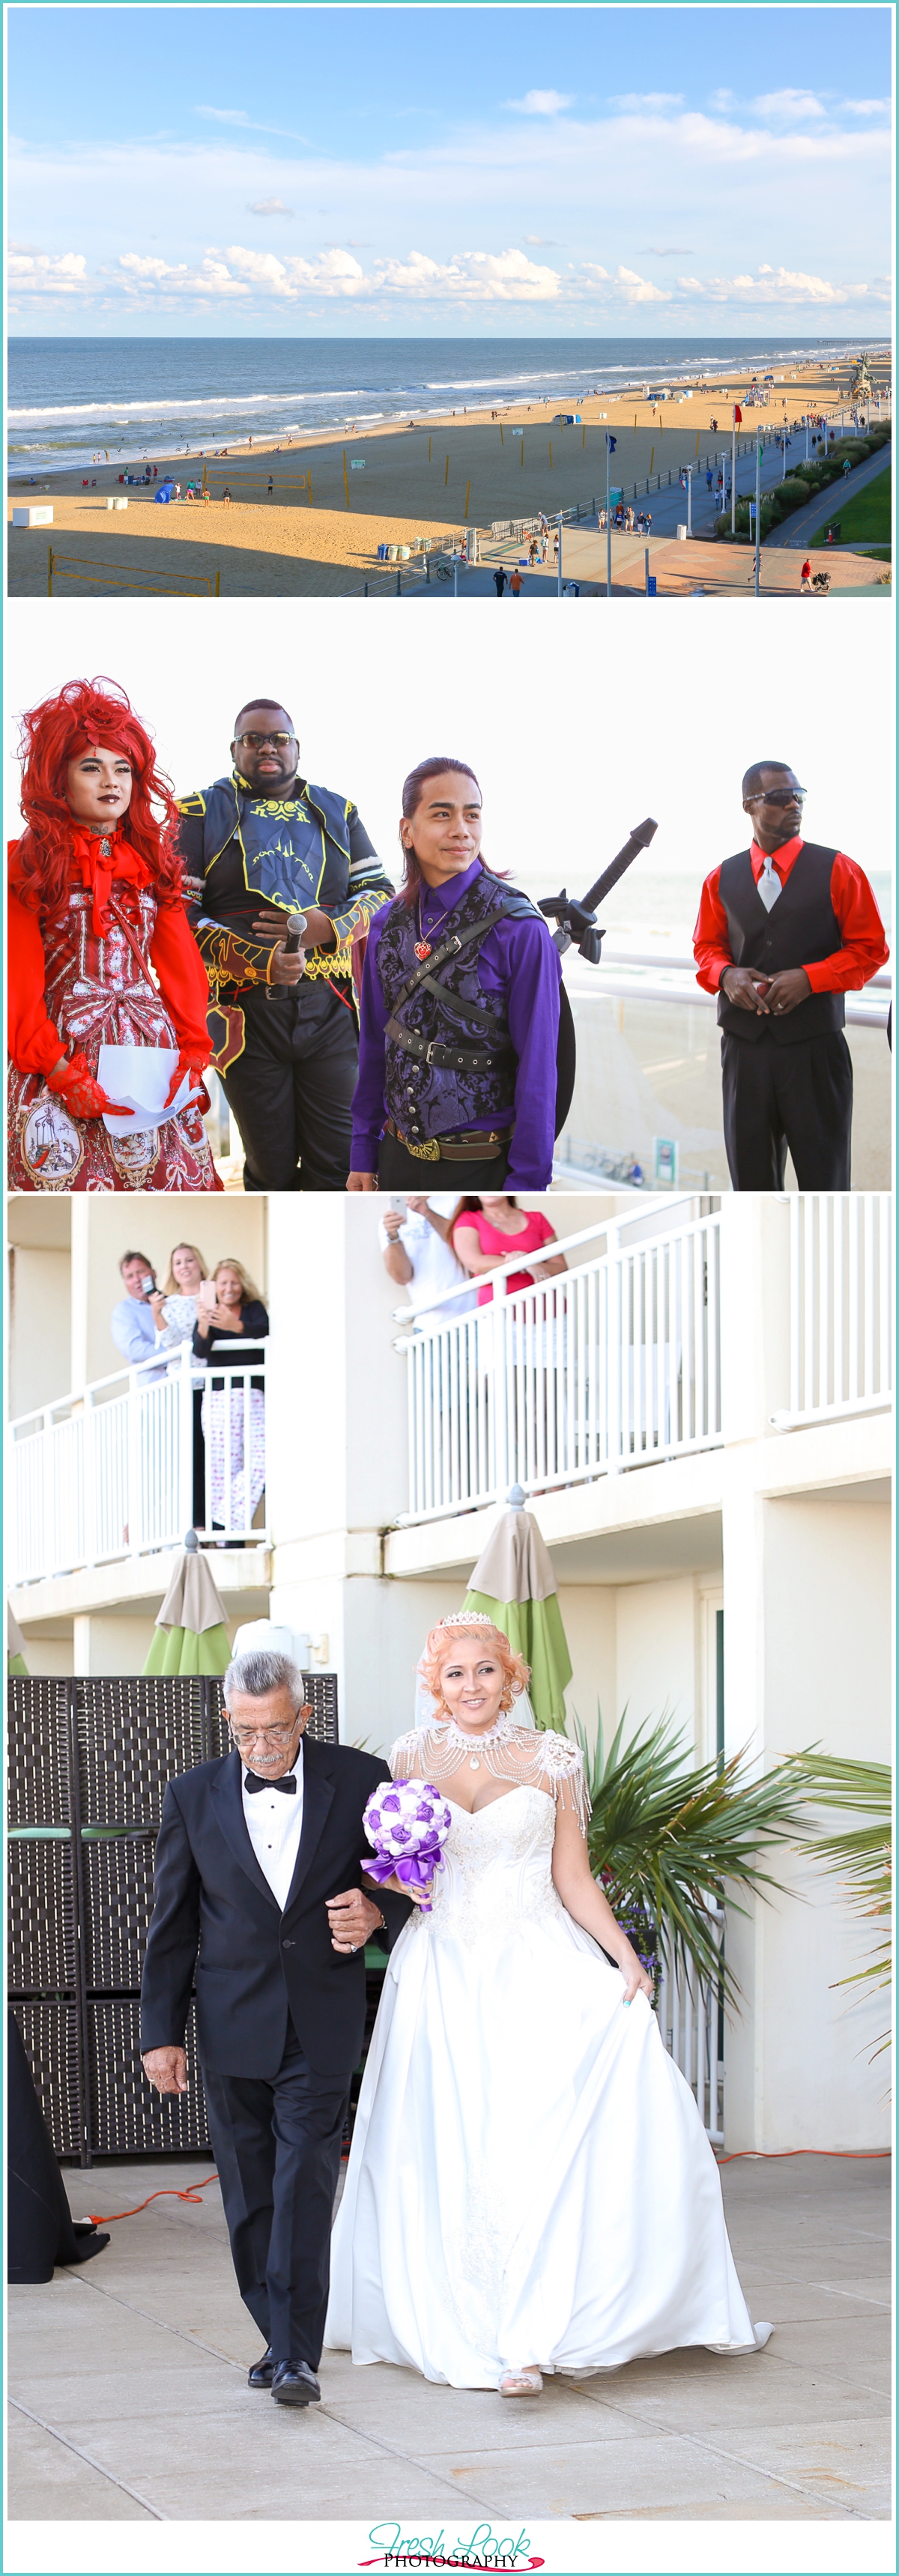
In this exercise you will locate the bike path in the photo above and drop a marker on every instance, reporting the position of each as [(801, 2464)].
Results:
[(803, 524)]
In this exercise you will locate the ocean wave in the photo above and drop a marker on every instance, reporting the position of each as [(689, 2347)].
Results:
[(115, 410)]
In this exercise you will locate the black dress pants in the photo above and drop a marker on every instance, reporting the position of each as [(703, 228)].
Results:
[(291, 1090), (400, 1170), (277, 2149), (777, 1097)]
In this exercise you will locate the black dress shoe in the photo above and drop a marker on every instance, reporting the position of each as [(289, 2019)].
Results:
[(294, 2384), (263, 2371)]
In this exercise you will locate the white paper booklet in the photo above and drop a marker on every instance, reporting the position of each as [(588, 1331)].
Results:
[(139, 1077)]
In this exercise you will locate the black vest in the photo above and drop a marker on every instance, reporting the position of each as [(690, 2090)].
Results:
[(800, 930), (449, 1054)]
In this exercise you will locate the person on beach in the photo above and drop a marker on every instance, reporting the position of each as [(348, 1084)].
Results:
[(499, 582), (271, 488), (805, 577), (785, 929), (226, 497), (100, 954), (461, 1010), (265, 854), (515, 583)]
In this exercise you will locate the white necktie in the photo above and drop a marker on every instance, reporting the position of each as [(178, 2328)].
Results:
[(769, 885)]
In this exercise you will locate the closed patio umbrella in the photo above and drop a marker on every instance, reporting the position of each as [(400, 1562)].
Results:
[(514, 1584), (190, 1634), (15, 1646)]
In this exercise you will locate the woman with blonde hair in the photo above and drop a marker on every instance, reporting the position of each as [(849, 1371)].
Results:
[(530, 2188), (233, 1410)]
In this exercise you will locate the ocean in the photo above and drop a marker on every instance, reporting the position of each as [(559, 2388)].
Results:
[(71, 400)]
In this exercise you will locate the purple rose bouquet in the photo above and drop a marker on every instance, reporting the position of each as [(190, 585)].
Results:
[(406, 1822)]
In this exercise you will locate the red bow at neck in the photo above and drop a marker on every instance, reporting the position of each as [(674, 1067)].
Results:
[(103, 857)]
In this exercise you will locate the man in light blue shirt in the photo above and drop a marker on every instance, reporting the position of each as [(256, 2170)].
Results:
[(133, 1323)]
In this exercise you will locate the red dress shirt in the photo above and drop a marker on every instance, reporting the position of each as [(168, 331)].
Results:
[(864, 947)]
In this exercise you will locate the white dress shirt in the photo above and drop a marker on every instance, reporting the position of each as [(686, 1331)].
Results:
[(274, 1822)]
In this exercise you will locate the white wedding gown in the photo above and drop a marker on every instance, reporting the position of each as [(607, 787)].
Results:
[(529, 2179)]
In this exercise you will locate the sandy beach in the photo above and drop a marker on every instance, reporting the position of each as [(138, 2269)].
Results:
[(338, 496)]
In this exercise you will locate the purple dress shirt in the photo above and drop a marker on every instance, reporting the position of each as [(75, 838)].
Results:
[(519, 961)]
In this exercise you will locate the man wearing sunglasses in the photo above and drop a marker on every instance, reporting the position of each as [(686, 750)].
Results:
[(281, 883), (785, 929)]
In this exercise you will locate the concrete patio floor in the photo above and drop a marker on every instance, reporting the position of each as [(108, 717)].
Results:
[(127, 2380)]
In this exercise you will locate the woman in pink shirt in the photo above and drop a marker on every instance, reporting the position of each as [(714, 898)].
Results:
[(489, 1229)]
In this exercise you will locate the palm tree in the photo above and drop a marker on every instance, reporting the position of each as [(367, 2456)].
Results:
[(665, 1841), (863, 1855)]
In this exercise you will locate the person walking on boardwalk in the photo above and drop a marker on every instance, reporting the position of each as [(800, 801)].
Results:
[(785, 929), (499, 582), (267, 857)]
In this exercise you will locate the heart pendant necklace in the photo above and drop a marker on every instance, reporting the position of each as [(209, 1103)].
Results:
[(422, 945)]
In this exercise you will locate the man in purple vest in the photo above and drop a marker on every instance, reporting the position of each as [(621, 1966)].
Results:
[(461, 1075), (785, 929)]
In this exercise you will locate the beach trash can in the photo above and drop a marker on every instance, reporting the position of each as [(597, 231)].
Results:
[(392, 552), (405, 552), (120, 505), (682, 530), (382, 554), (33, 514)]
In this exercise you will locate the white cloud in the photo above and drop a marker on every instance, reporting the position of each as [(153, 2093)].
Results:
[(270, 206), (224, 115), (39, 273), (789, 103), (865, 106), (654, 101), (156, 269), (773, 286), (638, 289), (540, 102)]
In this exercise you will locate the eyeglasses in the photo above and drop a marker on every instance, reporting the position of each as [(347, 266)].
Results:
[(254, 741), (276, 1736), (780, 796)]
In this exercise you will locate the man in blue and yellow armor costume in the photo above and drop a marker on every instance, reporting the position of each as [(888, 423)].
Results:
[(261, 850)]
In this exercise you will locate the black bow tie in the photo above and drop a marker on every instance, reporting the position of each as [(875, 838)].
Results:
[(288, 1783)]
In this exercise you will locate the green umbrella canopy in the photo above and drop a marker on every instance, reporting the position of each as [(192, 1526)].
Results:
[(190, 1634), (514, 1585), (15, 1647)]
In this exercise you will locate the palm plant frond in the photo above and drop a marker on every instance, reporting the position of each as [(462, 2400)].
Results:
[(862, 1855), (667, 1838)]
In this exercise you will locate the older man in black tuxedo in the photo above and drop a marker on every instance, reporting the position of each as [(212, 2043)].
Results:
[(257, 1869)]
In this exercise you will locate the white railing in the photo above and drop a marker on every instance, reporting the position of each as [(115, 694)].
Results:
[(840, 1305), (611, 1365), (689, 2022), (109, 1472)]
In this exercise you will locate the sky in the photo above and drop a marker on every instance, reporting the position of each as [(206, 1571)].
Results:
[(449, 171), (365, 718)]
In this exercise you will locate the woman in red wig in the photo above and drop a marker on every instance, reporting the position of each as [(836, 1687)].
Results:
[(100, 954)]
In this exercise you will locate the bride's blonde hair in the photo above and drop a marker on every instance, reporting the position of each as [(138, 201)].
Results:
[(442, 1643)]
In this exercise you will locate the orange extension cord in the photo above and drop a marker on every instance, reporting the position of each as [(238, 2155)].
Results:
[(775, 2155), (169, 2193)]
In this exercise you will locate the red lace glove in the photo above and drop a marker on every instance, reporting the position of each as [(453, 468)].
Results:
[(187, 1063), (74, 1085)]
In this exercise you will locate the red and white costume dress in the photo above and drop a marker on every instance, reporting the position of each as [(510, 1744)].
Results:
[(112, 965)]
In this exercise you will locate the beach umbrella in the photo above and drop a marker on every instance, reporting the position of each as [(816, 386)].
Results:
[(190, 1634), (514, 1584), (15, 1647)]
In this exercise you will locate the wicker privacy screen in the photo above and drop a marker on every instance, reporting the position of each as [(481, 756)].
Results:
[(88, 1765)]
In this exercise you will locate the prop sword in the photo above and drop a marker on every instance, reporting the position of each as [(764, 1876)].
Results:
[(577, 921)]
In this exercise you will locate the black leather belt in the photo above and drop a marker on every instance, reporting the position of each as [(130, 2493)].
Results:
[(481, 1146)]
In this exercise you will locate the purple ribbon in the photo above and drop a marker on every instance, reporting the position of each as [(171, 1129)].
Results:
[(415, 1869)]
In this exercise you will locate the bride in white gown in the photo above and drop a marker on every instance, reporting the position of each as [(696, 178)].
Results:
[(530, 2187)]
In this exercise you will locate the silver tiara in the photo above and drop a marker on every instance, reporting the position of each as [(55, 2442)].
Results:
[(469, 1619)]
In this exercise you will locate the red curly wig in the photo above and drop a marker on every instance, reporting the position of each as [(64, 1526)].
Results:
[(442, 1642), (82, 713)]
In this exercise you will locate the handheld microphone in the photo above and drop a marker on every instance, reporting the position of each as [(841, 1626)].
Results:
[(296, 924)]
